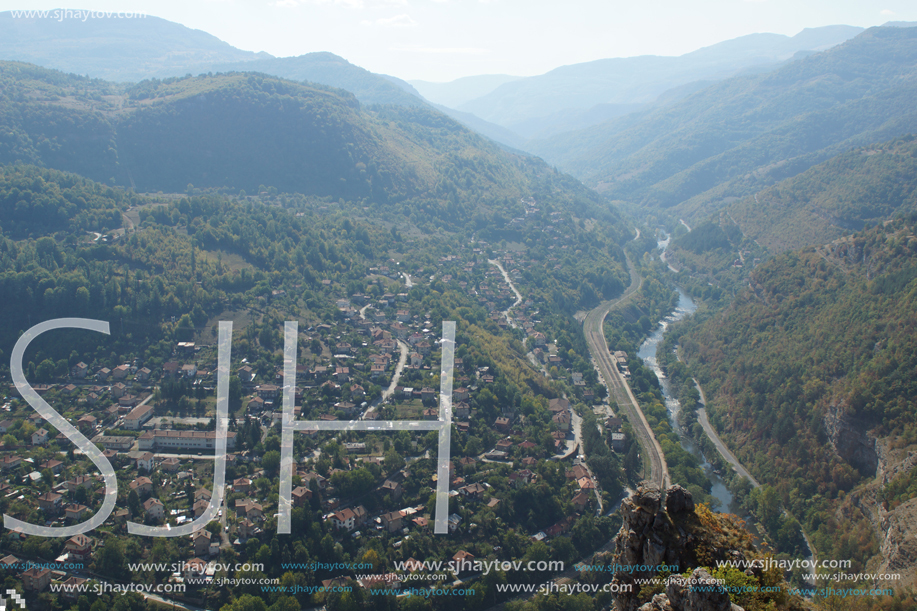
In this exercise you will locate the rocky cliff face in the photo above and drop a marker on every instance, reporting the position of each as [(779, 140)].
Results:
[(850, 440), (666, 530), (893, 461), (700, 592), (669, 530), (896, 528), (898, 547)]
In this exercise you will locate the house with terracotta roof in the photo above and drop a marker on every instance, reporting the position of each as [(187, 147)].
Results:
[(580, 500), (79, 547), (300, 496), (40, 437), (473, 491), (75, 512), (50, 502), (154, 509), (250, 509), (392, 521), (462, 562), (142, 485), (35, 579), (242, 484), (200, 541), (392, 488), (344, 519)]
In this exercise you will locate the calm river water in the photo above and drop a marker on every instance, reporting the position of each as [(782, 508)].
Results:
[(647, 353)]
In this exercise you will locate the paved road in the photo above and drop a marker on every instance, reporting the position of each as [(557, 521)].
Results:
[(396, 377), (728, 456), (512, 287), (618, 387)]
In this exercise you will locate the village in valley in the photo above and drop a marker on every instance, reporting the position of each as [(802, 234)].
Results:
[(376, 358)]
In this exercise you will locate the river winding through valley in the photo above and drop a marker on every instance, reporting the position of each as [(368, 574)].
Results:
[(724, 501)]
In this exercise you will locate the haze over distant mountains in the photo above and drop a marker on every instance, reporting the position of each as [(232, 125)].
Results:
[(744, 133), (462, 90), (564, 99), (114, 49), (639, 80), (596, 119)]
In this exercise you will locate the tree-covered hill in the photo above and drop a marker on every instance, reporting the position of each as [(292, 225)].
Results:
[(809, 376), (332, 70), (250, 132), (866, 185), (759, 128)]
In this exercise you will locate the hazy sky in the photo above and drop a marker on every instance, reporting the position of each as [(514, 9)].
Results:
[(440, 40)]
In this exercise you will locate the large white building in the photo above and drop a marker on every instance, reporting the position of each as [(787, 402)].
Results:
[(138, 416), (184, 440)]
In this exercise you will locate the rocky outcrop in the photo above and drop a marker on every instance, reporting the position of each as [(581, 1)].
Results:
[(893, 461), (700, 592), (665, 530), (894, 527), (678, 500), (850, 440), (899, 547)]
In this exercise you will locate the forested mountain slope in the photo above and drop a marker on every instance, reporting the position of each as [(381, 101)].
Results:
[(809, 375), (251, 132), (638, 80), (760, 128), (332, 70), (866, 185)]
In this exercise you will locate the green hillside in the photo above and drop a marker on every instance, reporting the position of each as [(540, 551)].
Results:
[(866, 185), (328, 69), (812, 364), (759, 128), (252, 132)]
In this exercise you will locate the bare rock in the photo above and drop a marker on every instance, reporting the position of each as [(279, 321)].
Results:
[(659, 603), (699, 593), (678, 500)]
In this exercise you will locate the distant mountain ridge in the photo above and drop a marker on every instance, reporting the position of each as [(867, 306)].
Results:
[(455, 93), (330, 69), (744, 133), (564, 99), (640, 80), (111, 49), (132, 50)]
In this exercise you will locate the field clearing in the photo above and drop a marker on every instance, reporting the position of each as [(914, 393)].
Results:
[(409, 410), (240, 320), (232, 261)]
